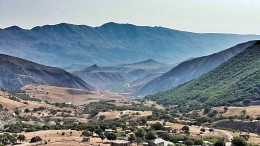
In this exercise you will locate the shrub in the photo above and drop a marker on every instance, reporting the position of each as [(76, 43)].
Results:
[(239, 141)]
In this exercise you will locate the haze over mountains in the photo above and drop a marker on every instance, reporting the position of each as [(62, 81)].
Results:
[(110, 44), (189, 70), (118, 77), (16, 72), (236, 80)]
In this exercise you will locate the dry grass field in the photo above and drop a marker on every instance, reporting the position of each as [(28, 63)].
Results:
[(118, 114), (252, 111), (75, 96), (9, 104), (61, 138), (195, 130)]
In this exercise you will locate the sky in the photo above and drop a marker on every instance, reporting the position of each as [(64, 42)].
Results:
[(220, 16)]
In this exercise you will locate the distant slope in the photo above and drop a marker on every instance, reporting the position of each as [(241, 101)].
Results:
[(189, 70), (110, 44), (233, 81), (100, 76), (16, 72)]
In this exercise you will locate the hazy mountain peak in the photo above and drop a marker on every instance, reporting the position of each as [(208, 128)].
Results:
[(14, 28), (150, 61)]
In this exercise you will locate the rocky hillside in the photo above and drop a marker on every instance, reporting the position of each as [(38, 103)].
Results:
[(246, 126), (16, 72), (110, 44), (236, 80), (189, 70)]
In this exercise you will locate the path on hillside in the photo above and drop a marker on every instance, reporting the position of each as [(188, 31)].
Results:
[(228, 134)]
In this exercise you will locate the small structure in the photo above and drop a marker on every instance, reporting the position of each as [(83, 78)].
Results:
[(245, 135), (160, 142), (168, 129), (68, 103), (120, 143), (109, 130), (85, 139), (128, 131)]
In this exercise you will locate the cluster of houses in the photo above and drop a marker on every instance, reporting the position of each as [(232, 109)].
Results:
[(154, 142)]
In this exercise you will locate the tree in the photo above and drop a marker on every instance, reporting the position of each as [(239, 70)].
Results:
[(35, 139), (198, 141), (16, 111), (27, 110), (140, 133), (220, 143), (150, 135), (111, 136), (239, 141), (86, 133), (206, 110), (21, 137), (211, 130), (225, 109), (157, 126), (202, 129), (243, 112), (131, 138), (185, 128), (101, 136)]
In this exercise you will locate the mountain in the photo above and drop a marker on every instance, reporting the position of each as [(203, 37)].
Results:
[(63, 45), (236, 80), (189, 70), (16, 72), (105, 77), (100, 77)]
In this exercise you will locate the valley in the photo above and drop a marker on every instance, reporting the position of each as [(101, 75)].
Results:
[(109, 110), (128, 85)]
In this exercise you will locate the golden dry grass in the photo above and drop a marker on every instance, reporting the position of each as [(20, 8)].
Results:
[(252, 111), (117, 114), (61, 94), (55, 138)]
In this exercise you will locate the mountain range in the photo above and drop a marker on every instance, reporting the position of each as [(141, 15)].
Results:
[(63, 45), (16, 72), (118, 77), (236, 80), (189, 70)]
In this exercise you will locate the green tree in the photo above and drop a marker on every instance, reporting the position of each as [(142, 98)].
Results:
[(185, 128), (140, 133), (202, 129), (150, 135), (225, 109), (111, 136), (21, 137), (131, 138), (220, 143), (157, 126), (239, 141)]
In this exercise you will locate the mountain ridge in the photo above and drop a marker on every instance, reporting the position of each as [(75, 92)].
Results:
[(190, 69), (110, 44), (17, 72), (233, 81)]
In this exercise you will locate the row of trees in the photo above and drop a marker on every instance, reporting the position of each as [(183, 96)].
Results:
[(7, 138)]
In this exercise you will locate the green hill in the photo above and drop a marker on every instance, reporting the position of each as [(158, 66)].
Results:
[(233, 81)]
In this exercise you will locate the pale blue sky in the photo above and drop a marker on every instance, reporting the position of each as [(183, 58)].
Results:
[(227, 16)]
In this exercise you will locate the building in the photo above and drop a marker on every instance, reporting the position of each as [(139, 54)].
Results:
[(109, 131), (85, 139), (159, 142), (245, 135), (120, 143)]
